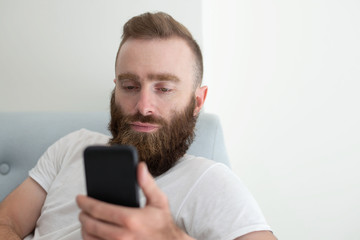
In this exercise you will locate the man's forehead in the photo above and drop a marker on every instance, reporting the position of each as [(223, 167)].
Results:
[(156, 59), (155, 40)]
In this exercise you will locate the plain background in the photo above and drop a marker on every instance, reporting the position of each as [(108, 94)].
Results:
[(283, 76)]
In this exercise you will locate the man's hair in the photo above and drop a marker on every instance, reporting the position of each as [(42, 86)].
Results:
[(163, 26)]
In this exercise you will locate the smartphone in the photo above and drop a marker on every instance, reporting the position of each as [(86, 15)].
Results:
[(111, 174)]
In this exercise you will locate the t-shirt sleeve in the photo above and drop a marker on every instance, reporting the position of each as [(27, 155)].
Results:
[(49, 164), (219, 206)]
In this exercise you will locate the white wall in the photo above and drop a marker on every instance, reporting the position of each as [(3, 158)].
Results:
[(285, 78), (59, 54)]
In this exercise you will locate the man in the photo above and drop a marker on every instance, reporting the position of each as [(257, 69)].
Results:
[(154, 105)]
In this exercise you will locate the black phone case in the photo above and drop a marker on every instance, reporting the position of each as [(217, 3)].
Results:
[(110, 173)]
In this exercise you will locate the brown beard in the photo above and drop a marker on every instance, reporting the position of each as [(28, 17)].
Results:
[(161, 149)]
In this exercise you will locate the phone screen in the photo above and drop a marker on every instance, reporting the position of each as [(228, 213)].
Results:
[(111, 174)]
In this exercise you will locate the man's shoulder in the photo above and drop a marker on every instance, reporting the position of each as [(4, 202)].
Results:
[(192, 168), (191, 161), (196, 162), (86, 135), (79, 139)]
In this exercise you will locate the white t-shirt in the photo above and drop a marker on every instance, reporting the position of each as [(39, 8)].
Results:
[(207, 200)]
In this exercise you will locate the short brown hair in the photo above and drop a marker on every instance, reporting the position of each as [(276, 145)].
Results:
[(163, 26)]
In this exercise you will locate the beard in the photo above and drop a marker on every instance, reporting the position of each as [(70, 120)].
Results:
[(160, 150)]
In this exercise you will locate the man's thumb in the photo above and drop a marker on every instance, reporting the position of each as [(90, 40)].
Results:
[(154, 196)]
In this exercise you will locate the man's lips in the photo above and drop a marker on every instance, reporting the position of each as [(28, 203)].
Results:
[(144, 127)]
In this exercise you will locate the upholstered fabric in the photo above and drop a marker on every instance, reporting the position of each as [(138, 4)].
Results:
[(24, 137)]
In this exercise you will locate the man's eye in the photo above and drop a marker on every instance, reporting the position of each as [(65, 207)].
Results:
[(164, 89), (129, 88)]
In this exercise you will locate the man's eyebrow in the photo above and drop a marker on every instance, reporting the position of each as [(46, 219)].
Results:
[(153, 77), (164, 77), (127, 76)]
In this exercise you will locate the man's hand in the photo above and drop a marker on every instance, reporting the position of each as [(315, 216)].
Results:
[(101, 220)]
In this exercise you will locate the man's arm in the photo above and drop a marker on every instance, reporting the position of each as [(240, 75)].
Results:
[(20, 210)]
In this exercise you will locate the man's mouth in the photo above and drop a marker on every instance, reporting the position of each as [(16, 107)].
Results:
[(144, 127)]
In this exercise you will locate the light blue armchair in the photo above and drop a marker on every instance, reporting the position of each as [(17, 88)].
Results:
[(24, 137)]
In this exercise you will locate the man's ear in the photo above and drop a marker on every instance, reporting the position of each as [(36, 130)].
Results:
[(115, 80), (200, 96)]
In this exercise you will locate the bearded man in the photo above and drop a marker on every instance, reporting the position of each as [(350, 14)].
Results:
[(154, 106)]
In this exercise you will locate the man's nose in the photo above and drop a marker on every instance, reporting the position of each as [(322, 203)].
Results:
[(145, 104)]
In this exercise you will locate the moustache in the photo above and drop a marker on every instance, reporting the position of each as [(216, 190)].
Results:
[(138, 117)]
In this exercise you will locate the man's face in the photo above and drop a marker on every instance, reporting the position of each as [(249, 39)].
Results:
[(154, 103)]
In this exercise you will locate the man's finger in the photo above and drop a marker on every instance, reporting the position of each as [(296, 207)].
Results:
[(103, 211), (154, 196), (95, 229)]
